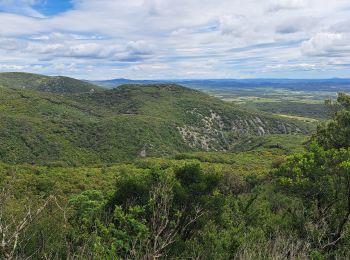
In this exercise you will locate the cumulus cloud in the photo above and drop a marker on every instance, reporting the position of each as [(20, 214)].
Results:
[(327, 44), (233, 25), (173, 38), (296, 24), (71, 46), (139, 48)]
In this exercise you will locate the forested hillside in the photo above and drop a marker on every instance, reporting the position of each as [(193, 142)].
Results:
[(21, 80), (105, 126), (166, 172)]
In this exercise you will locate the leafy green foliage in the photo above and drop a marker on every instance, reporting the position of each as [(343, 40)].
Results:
[(187, 202), (321, 179), (72, 128), (147, 213), (336, 133)]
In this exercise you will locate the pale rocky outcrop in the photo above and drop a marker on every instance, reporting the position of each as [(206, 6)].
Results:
[(212, 130)]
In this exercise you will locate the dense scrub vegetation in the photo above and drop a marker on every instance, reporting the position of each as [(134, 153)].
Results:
[(197, 205), (77, 126), (45, 83)]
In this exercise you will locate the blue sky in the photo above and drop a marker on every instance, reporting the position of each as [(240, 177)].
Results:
[(165, 39), (53, 7)]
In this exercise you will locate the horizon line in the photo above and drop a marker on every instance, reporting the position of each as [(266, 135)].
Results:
[(178, 79)]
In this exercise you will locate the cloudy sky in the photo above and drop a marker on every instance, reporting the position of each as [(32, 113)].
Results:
[(157, 39)]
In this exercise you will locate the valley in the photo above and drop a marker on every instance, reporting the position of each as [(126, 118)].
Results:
[(303, 99), (105, 167), (174, 130), (77, 125)]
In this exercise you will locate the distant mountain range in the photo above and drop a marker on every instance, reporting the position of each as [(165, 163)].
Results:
[(334, 84)]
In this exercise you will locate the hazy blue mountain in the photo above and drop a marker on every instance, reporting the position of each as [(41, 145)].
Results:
[(334, 84)]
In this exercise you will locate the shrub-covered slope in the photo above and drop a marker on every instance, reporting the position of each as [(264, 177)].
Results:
[(124, 123), (45, 83)]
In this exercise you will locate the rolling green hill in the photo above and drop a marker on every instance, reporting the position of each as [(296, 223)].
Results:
[(45, 83), (121, 124), (103, 169)]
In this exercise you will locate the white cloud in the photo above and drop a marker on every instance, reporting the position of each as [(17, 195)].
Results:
[(10, 67), (297, 24), (68, 46), (167, 38), (139, 48), (278, 5), (11, 44), (327, 44), (233, 25), (283, 67), (21, 7)]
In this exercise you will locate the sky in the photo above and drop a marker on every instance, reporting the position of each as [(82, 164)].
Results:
[(176, 39)]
